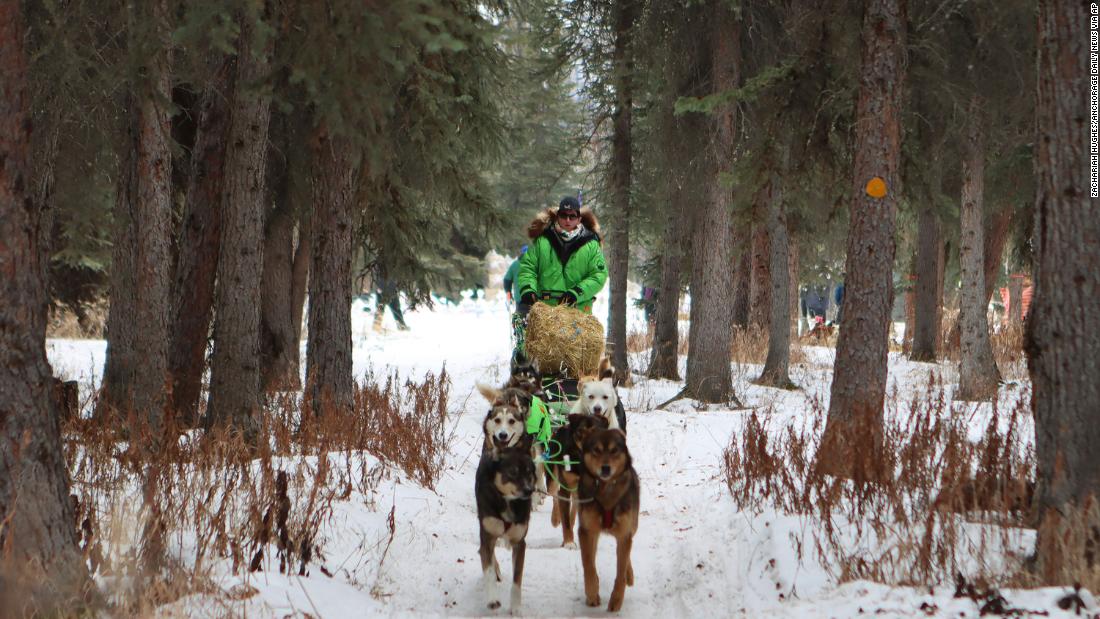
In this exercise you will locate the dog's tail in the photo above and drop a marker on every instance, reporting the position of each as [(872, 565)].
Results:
[(606, 370), (488, 392)]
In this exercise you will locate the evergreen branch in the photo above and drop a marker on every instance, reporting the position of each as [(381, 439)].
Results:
[(753, 89)]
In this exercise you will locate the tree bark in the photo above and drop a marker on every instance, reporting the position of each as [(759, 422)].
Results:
[(760, 286), (41, 570), (927, 300), (193, 284), (278, 339), (978, 375), (665, 359), (235, 390), (776, 371), (298, 285), (147, 155), (794, 315), (329, 381), (618, 237), (743, 281), (1015, 300), (852, 443), (708, 366), (1063, 323), (993, 248)]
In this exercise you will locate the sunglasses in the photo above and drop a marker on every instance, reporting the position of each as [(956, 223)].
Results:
[(569, 216)]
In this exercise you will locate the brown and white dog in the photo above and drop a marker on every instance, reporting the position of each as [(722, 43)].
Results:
[(566, 470), (610, 500)]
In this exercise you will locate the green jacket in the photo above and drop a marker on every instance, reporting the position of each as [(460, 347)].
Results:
[(552, 266)]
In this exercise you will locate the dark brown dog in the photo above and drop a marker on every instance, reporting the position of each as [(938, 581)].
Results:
[(564, 478), (610, 497)]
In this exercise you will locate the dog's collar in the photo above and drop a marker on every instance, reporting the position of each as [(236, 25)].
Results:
[(608, 517)]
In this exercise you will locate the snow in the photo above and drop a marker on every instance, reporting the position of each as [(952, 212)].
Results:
[(695, 554)]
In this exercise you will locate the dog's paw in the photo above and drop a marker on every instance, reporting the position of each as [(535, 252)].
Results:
[(592, 601), (615, 604), (569, 545)]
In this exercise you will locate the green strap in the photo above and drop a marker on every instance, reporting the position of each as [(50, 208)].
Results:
[(538, 420)]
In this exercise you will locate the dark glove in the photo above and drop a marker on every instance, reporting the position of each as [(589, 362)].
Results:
[(568, 298), (528, 298)]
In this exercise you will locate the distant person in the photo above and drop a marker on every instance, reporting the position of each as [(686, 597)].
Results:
[(648, 302), (511, 286), (387, 295)]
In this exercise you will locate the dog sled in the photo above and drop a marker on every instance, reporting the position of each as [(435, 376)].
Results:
[(566, 345)]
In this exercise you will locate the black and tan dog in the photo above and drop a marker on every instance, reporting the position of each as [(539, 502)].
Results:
[(609, 496), (503, 488), (565, 473), (505, 424), (526, 376)]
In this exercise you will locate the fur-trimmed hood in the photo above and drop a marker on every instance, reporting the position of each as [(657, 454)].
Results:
[(549, 216)]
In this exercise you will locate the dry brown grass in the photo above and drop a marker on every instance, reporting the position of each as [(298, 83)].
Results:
[(179, 505), (639, 341), (1008, 351), (64, 324), (950, 504), (750, 346)]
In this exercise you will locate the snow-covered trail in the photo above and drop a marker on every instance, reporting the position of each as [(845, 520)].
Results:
[(695, 555)]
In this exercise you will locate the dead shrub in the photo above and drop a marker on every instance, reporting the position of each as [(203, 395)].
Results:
[(89, 324), (156, 511), (1008, 350), (750, 346), (950, 503), (639, 341)]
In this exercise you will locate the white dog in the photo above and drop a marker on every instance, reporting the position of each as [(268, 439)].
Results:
[(598, 397)]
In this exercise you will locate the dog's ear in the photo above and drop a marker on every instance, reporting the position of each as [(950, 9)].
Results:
[(609, 380), (489, 393), (535, 365), (605, 368)]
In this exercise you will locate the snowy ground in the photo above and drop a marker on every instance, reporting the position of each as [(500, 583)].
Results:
[(695, 555)]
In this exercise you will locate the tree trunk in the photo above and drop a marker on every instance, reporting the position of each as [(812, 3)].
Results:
[(278, 338), (795, 315), (776, 371), (852, 443), (235, 390), (618, 237), (743, 282), (329, 381), (1015, 300), (1063, 339), (144, 351), (910, 315), (760, 286), (193, 287), (708, 367), (927, 300), (42, 571), (993, 248), (665, 359), (978, 375), (299, 281)]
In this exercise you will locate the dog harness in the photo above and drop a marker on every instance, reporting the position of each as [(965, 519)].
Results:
[(538, 420)]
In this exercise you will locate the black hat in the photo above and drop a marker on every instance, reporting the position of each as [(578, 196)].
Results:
[(569, 203)]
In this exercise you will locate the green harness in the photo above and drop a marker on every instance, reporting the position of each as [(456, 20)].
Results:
[(539, 421)]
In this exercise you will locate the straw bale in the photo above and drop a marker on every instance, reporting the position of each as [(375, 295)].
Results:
[(564, 339)]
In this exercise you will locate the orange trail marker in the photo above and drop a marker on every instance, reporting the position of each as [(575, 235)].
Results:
[(876, 188)]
